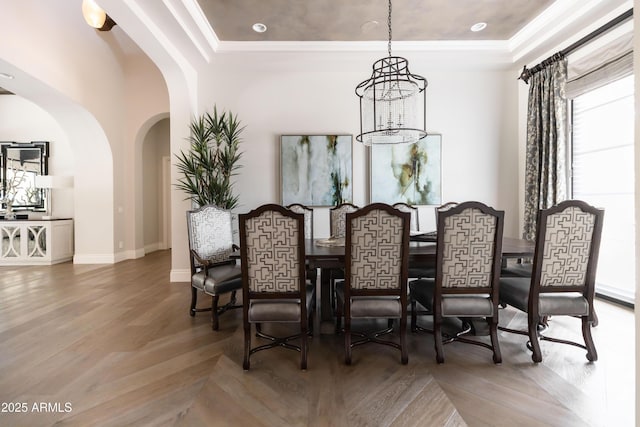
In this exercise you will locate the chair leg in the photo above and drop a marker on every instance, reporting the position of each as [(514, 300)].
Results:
[(414, 315), (592, 354), (338, 316), (347, 341), (214, 312), (247, 345), (194, 300), (534, 340), (304, 342), (594, 318), (493, 328), (404, 356), (437, 332)]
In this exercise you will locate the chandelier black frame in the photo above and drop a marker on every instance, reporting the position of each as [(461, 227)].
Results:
[(392, 102)]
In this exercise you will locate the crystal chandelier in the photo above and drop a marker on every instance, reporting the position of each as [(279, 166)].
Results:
[(392, 102)]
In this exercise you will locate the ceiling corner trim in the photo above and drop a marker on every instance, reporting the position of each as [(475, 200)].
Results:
[(181, 18), (541, 30), (489, 46), (198, 16)]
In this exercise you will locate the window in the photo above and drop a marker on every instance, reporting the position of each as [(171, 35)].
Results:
[(603, 175)]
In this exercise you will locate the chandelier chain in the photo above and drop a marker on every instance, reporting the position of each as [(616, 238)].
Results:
[(389, 25)]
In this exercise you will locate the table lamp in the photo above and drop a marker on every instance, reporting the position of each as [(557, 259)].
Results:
[(49, 182)]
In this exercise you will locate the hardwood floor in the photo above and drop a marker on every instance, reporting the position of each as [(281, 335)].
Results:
[(114, 345)]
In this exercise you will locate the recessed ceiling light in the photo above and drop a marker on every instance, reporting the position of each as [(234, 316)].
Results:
[(6, 76), (259, 28), (478, 26)]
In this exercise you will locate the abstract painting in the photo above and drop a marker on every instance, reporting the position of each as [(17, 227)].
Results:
[(316, 169), (408, 173)]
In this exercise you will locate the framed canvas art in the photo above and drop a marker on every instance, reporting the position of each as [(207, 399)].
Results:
[(316, 170), (409, 173)]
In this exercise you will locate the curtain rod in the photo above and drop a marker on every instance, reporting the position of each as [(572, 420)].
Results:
[(526, 73)]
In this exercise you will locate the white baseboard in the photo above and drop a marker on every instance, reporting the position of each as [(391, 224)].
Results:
[(152, 247), (180, 275), (94, 259)]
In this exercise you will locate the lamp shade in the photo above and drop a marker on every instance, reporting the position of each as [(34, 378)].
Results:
[(95, 16), (53, 181)]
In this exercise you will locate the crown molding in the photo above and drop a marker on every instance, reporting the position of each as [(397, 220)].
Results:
[(575, 16), (197, 15), (373, 46)]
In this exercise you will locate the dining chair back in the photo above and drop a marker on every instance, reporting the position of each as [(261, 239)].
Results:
[(413, 210), (272, 254), (562, 279), (213, 272), (337, 219), (308, 218)]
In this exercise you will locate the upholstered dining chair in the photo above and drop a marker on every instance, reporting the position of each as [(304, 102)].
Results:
[(376, 265), (413, 210), (308, 233), (468, 256), (562, 281), (308, 218), (337, 227), (209, 230), (337, 218), (426, 270), (275, 290)]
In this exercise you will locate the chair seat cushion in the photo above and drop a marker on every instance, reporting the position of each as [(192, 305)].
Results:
[(471, 305), (421, 270), (517, 270), (278, 310), (285, 310), (221, 279), (422, 291), (371, 307), (514, 291), (375, 307)]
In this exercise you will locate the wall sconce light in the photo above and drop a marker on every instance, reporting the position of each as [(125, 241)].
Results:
[(49, 182), (96, 17)]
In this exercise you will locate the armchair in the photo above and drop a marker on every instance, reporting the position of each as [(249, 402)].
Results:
[(209, 230)]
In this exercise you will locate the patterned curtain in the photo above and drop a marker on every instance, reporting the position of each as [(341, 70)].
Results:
[(545, 175)]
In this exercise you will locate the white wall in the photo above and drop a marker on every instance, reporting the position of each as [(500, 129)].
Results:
[(313, 93), (156, 146)]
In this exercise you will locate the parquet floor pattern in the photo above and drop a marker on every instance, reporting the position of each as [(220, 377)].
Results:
[(115, 344)]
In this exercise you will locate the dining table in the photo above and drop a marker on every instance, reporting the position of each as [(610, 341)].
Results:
[(422, 251)]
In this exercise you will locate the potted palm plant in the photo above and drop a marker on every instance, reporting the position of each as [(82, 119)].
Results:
[(210, 163)]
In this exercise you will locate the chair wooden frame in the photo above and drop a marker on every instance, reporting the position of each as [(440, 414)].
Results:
[(536, 321), (400, 291), (251, 295), (199, 263)]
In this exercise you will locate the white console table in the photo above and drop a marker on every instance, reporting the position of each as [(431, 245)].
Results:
[(36, 242)]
